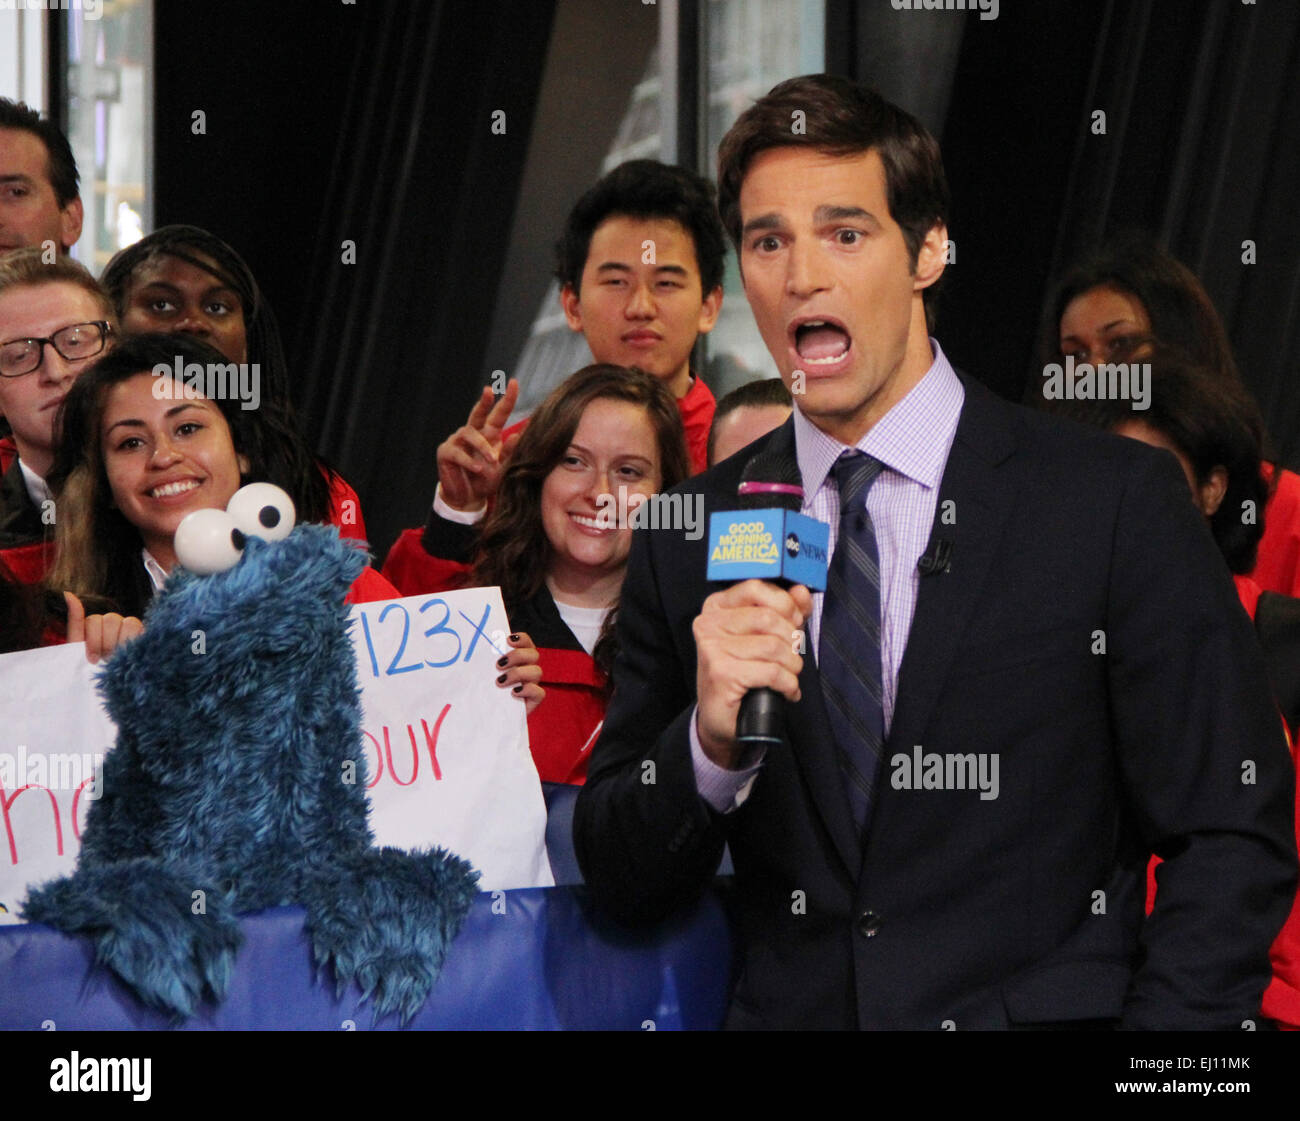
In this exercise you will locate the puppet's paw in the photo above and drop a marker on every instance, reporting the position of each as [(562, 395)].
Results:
[(386, 919), (170, 937)]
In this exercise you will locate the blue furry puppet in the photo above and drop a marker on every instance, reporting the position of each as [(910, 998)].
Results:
[(238, 774)]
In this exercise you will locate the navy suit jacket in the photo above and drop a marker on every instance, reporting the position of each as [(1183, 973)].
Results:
[(1089, 635)]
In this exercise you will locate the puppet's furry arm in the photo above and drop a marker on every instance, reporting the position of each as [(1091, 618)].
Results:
[(151, 927), (385, 918)]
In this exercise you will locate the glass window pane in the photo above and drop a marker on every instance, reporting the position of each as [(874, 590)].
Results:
[(110, 123), (553, 351), (752, 45)]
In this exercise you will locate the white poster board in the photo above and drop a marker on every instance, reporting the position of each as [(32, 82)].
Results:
[(53, 733), (446, 748)]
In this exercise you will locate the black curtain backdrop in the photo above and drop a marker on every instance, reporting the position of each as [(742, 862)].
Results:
[(1202, 148), (427, 191), (1003, 96), (371, 124)]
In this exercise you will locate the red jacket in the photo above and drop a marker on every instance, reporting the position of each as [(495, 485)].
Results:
[(433, 558), (345, 509), (26, 540), (562, 729), (1277, 566), (29, 563), (369, 587)]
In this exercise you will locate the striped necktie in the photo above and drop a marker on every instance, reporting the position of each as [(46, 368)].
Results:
[(849, 647)]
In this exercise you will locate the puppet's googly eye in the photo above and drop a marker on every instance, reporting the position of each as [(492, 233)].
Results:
[(262, 510), (208, 541)]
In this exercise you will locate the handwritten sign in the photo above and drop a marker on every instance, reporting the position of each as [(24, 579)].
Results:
[(445, 750), (54, 734)]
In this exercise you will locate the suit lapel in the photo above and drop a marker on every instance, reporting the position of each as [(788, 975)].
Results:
[(975, 499)]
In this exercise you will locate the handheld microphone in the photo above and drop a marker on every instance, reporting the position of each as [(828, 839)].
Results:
[(767, 538)]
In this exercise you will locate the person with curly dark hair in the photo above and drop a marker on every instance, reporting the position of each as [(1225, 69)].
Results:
[(1126, 295), (141, 449)]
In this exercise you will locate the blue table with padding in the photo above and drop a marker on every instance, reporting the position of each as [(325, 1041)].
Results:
[(541, 958)]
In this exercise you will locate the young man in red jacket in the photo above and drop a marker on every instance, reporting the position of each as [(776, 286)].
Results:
[(640, 267)]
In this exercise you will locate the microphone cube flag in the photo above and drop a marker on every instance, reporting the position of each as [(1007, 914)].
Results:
[(768, 544)]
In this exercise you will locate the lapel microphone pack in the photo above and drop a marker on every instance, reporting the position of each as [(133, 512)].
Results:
[(937, 558), (766, 537)]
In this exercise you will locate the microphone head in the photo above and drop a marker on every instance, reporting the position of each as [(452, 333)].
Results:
[(771, 480)]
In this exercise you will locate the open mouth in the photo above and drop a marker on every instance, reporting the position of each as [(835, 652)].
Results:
[(821, 342), (170, 490)]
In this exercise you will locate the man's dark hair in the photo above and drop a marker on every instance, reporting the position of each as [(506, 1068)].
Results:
[(841, 118), (645, 189), (758, 394), (61, 168)]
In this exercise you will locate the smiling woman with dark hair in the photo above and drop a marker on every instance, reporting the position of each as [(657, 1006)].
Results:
[(138, 455)]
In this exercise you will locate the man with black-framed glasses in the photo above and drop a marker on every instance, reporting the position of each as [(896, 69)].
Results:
[(55, 321)]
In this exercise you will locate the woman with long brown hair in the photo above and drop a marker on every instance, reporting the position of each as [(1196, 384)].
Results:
[(604, 441)]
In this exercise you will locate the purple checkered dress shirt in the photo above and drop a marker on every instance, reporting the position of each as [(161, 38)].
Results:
[(912, 440)]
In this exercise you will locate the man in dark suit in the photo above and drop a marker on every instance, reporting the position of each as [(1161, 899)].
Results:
[(1029, 671)]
